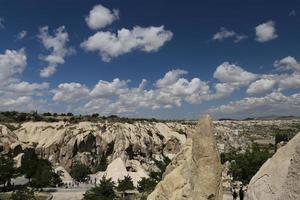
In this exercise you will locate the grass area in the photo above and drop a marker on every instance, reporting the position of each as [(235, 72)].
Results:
[(6, 196)]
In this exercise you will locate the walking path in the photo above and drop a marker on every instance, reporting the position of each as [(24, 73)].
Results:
[(227, 196)]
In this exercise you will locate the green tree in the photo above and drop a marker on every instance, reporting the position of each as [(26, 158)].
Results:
[(29, 167), (162, 165), (244, 166), (125, 184), (146, 185), (7, 170), (104, 191), (80, 172), (40, 173), (22, 195), (102, 166)]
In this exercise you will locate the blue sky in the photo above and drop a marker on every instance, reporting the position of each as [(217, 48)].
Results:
[(227, 58)]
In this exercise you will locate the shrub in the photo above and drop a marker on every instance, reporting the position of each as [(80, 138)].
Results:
[(40, 173), (104, 191), (102, 164), (22, 195), (244, 166), (80, 172), (125, 184), (146, 185), (7, 170)]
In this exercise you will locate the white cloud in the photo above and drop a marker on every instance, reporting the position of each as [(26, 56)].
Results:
[(25, 87), (12, 63), (12, 102), (266, 32), (15, 93), (274, 103), (261, 86), (225, 34), (70, 92), (96, 105), (194, 91), (287, 63), (105, 89), (111, 45), (232, 77), (58, 46), (1, 23), (22, 35), (170, 78), (289, 81), (100, 16), (233, 74), (223, 90)]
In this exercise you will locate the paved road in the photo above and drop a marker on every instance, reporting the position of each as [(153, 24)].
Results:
[(67, 195)]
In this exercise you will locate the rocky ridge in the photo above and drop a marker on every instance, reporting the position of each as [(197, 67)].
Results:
[(137, 144)]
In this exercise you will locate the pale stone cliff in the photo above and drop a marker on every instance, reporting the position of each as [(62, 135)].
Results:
[(279, 177), (195, 172)]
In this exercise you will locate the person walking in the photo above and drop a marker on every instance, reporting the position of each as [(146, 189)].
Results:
[(234, 193), (241, 193)]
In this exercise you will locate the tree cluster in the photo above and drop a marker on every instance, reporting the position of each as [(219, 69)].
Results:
[(243, 166)]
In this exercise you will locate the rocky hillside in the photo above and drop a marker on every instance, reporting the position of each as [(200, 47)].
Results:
[(64, 143), (139, 141)]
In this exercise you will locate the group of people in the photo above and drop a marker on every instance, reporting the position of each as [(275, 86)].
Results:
[(238, 193)]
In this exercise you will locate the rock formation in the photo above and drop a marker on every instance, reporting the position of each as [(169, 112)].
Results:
[(279, 177), (195, 172), (64, 143), (116, 170)]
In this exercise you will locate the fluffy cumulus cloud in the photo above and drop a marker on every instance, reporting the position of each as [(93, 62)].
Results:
[(25, 87), (170, 78), (287, 63), (105, 89), (14, 92), (270, 104), (286, 77), (174, 89), (194, 91), (266, 32), (262, 85), (232, 73), (70, 92), (21, 35), (12, 63), (100, 17), (289, 82), (117, 97), (110, 45), (57, 44), (225, 34)]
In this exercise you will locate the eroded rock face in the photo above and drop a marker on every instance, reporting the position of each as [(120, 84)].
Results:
[(279, 177), (63, 143), (116, 170), (195, 172)]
